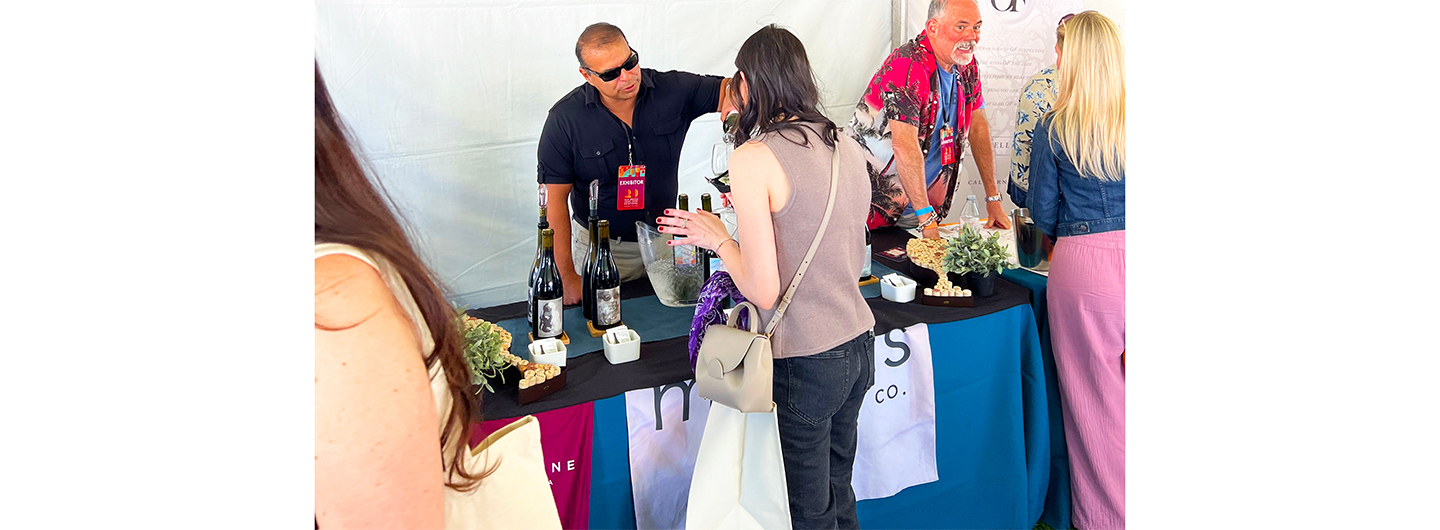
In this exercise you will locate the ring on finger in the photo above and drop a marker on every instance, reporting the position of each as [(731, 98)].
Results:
[(684, 223)]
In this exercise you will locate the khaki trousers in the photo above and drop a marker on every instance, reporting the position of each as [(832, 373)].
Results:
[(627, 253)]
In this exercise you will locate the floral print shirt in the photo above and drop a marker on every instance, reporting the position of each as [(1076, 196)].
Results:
[(1036, 99), (906, 89)]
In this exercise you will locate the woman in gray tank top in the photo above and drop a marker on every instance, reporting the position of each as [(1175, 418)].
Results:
[(824, 346)]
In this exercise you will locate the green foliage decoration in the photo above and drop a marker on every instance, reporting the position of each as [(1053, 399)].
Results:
[(485, 346), (971, 252)]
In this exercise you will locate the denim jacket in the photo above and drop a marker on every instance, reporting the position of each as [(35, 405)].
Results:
[(1061, 201)]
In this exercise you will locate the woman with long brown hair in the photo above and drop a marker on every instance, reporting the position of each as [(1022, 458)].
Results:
[(824, 346), (388, 356)]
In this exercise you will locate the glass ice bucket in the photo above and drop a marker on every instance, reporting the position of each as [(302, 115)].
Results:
[(675, 286)]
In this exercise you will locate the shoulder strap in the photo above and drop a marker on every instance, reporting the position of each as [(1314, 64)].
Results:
[(814, 245)]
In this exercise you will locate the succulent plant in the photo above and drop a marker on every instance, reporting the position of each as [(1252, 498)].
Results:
[(971, 251), (485, 347)]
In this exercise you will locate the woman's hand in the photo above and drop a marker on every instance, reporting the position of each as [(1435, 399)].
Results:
[(700, 228)]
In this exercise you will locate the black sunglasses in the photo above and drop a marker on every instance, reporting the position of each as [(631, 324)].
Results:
[(610, 75)]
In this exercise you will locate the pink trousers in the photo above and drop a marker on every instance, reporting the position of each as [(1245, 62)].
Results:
[(1086, 296)]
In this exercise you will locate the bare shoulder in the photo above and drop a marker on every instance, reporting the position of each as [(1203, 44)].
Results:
[(755, 157), (348, 291)]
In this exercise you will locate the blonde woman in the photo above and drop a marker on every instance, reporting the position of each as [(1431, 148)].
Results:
[(1077, 197)]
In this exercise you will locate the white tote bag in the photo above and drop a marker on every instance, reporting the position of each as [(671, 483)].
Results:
[(739, 480), (516, 494)]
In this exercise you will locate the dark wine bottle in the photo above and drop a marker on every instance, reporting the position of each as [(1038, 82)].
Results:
[(535, 265), (606, 284), (549, 297), (706, 257), (865, 268), (587, 299), (684, 254)]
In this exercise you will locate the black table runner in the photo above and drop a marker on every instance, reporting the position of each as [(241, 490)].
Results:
[(590, 377)]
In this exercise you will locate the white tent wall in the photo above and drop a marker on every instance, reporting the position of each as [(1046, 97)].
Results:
[(446, 100)]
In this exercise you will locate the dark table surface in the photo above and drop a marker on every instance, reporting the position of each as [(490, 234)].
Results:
[(590, 377)]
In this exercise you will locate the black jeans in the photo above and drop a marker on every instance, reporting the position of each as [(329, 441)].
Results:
[(817, 401)]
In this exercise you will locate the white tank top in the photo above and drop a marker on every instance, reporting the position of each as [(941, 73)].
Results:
[(439, 385)]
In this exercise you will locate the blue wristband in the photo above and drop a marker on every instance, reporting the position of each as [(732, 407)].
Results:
[(923, 211)]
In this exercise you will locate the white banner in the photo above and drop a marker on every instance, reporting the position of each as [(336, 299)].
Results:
[(896, 446), (666, 425)]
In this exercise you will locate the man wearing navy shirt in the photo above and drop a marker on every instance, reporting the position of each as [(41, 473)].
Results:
[(624, 127)]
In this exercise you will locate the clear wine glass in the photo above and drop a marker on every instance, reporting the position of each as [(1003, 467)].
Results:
[(720, 158)]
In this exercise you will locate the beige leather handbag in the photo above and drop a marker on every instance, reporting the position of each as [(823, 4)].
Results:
[(735, 367)]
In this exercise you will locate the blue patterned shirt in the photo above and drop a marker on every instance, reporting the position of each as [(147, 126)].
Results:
[(1036, 98)]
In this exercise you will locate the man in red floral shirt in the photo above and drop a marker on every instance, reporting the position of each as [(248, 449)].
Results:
[(915, 118)]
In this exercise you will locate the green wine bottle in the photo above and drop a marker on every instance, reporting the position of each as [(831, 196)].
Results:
[(606, 284), (549, 297), (587, 301)]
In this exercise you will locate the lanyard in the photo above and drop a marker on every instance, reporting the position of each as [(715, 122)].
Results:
[(629, 148), (947, 104)]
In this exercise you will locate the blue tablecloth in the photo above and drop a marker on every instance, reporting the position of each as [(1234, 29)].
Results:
[(992, 434), (1057, 499)]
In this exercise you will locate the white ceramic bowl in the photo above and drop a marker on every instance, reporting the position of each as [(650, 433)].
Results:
[(902, 294), (622, 352), (538, 355)]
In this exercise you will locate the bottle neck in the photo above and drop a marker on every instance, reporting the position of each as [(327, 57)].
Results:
[(547, 244)]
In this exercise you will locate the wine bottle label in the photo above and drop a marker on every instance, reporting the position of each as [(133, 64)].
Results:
[(550, 318), (607, 306), (685, 256)]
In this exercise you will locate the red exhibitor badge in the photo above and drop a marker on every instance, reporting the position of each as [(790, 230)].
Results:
[(632, 188), (947, 146)]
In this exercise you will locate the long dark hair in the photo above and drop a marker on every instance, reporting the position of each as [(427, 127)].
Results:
[(781, 85), (350, 210)]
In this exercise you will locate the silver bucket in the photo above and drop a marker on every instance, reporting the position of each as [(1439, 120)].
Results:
[(1032, 248)]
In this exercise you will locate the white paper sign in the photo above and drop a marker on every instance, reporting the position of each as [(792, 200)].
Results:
[(896, 446), (666, 425)]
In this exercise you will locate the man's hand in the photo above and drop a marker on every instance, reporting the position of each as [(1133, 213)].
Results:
[(998, 217), (725, 106), (574, 286), (985, 164), (910, 166), (932, 233)]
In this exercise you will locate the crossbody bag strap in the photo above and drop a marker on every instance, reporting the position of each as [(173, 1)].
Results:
[(814, 245)]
